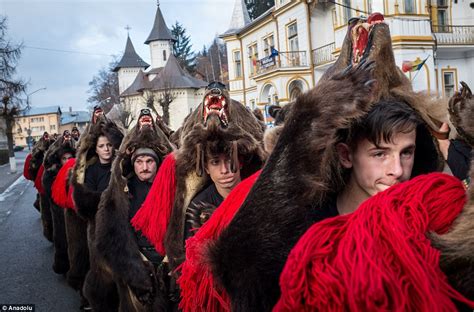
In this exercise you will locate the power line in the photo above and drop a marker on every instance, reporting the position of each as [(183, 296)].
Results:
[(67, 51)]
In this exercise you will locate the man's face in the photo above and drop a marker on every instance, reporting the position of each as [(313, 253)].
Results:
[(145, 168), (376, 168), (218, 168), (75, 134), (65, 158)]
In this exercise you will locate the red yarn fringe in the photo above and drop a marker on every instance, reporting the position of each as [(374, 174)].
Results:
[(198, 289), (26, 172), (379, 257), (61, 189), (39, 180), (153, 216)]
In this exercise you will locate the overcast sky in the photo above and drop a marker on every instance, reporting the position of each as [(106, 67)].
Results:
[(93, 31)]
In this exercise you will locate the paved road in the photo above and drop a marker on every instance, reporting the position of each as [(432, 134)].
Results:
[(26, 257), (6, 177)]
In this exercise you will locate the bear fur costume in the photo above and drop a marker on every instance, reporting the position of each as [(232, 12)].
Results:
[(87, 275), (303, 170), (115, 246), (41, 202), (52, 165)]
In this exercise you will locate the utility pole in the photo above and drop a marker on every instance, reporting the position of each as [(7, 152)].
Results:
[(28, 107)]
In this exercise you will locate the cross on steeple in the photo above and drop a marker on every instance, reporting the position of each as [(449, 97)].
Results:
[(128, 29), (157, 2)]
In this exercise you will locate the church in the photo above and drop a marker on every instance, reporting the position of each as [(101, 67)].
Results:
[(173, 92)]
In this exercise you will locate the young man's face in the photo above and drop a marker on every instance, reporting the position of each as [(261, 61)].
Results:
[(65, 158), (375, 169), (145, 168), (218, 168)]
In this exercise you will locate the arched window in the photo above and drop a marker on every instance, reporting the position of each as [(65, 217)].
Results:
[(164, 55)]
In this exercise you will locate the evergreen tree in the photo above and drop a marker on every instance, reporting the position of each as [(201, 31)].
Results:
[(258, 7), (182, 48)]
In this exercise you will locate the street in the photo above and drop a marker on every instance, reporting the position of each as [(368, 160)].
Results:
[(25, 255)]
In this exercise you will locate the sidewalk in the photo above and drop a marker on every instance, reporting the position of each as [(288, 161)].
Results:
[(7, 178)]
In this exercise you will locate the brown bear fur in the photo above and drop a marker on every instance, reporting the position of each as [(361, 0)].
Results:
[(303, 170), (115, 246), (243, 128), (94, 283), (52, 164), (457, 246)]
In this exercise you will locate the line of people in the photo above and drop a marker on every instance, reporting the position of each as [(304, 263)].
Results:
[(341, 206)]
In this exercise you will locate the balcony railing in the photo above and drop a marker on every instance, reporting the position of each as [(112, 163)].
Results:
[(324, 54), (283, 60), (454, 35)]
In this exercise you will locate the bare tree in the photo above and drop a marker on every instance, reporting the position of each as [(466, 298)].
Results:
[(166, 97), (10, 88), (104, 88)]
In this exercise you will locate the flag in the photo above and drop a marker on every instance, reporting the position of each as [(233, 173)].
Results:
[(274, 52), (254, 61), (411, 66)]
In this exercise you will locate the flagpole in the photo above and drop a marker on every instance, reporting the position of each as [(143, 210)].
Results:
[(420, 68)]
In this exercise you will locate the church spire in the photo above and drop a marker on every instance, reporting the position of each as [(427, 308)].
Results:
[(240, 16), (159, 31), (130, 58)]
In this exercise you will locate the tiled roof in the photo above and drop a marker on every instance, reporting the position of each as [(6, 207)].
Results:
[(130, 58), (141, 82), (41, 111), (174, 77), (159, 31), (75, 117)]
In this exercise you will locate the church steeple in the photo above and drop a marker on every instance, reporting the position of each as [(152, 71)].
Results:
[(128, 67), (130, 58), (160, 40), (159, 31)]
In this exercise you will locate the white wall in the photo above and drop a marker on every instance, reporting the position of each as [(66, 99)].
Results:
[(156, 52)]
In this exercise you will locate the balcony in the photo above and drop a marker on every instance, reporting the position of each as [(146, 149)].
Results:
[(454, 35), (324, 54), (294, 59)]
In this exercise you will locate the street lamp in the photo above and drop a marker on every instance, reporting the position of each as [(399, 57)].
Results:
[(28, 138)]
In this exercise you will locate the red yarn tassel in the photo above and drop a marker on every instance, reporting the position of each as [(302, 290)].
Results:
[(153, 216), (26, 172), (379, 257), (198, 289), (59, 188), (38, 180)]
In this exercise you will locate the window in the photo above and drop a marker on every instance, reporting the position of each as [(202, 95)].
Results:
[(253, 58), (448, 83), (268, 44), (252, 104), (52, 127), (347, 10), (164, 55), (237, 64), (37, 119), (293, 57), (409, 6), (442, 14), (42, 128)]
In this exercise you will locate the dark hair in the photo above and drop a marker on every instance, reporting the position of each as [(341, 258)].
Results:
[(384, 120)]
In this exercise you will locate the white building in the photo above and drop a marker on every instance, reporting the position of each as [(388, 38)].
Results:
[(165, 77), (307, 35)]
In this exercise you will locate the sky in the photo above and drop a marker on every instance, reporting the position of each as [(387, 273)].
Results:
[(92, 32)]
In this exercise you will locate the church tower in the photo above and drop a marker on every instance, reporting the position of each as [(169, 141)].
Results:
[(129, 66), (160, 41)]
